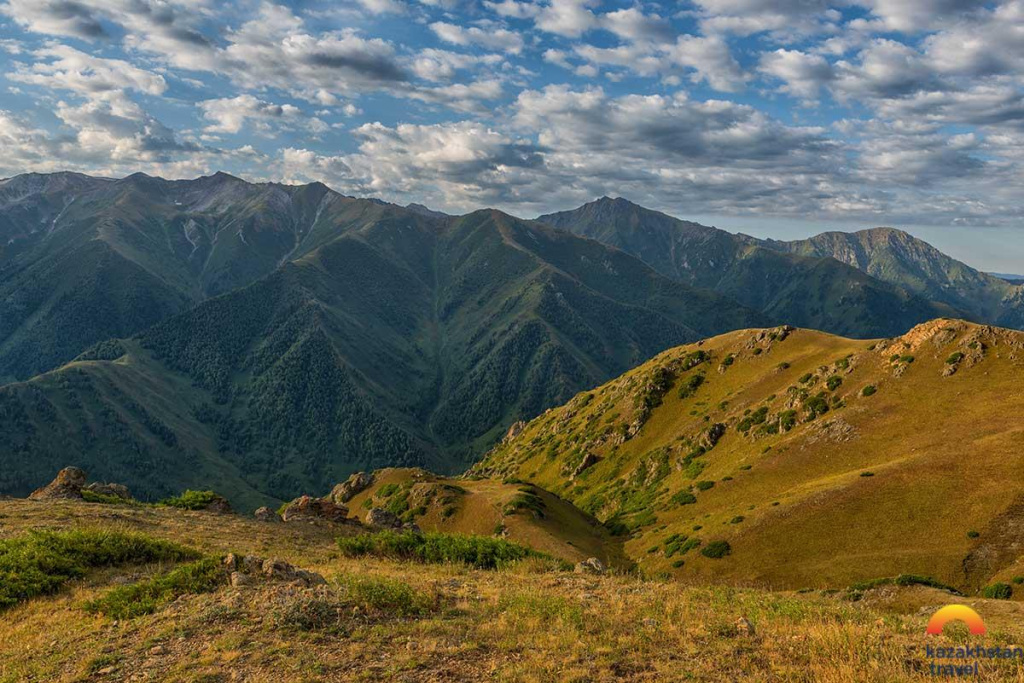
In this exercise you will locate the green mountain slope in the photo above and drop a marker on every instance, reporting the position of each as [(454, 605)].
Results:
[(85, 259), (899, 258), (798, 286), (805, 459), (401, 339)]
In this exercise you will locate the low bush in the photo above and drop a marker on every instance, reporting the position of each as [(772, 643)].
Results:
[(834, 382), (689, 387), (41, 562), (146, 597), (716, 549), (387, 596), (704, 485), (680, 544), (481, 552), (869, 390), (684, 498), (973, 534), (955, 358), (190, 500), (902, 580), (997, 591)]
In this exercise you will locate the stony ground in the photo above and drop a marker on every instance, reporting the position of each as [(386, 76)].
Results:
[(448, 623)]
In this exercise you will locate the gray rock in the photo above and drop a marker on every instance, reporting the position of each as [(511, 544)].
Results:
[(591, 565), (381, 518), (265, 514), (348, 489)]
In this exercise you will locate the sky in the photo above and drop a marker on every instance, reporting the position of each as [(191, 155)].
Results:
[(781, 118)]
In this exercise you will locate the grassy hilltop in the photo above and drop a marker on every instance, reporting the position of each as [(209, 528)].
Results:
[(799, 458)]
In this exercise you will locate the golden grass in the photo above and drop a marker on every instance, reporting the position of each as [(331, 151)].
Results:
[(513, 625)]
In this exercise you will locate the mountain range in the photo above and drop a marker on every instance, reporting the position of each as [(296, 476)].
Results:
[(264, 338)]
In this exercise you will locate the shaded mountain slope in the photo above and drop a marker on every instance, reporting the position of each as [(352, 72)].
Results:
[(799, 286), (400, 340), (897, 257), (85, 259), (818, 460)]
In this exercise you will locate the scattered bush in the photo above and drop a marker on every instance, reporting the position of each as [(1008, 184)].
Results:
[(955, 358), (997, 591), (481, 552), (145, 597), (689, 387), (190, 500), (834, 382), (389, 596), (729, 360), (806, 378), (867, 473), (526, 499), (902, 580), (704, 485), (716, 549), (40, 562), (684, 498), (787, 420), (869, 390), (680, 544), (1018, 580), (755, 418), (93, 497), (973, 534), (737, 519), (783, 366)]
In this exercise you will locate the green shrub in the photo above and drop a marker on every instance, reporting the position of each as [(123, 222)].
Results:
[(41, 562), (737, 519), (869, 390), (783, 366), (481, 552), (680, 544), (392, 597), (787, 420), (997, 591), (867, 473), (902, 580), (758, 351), (689, 387), (93, 497), (906, 358), (704, 485), (676, 564), (804, 379), (755, 418), (955, 358), (526, 499), (973, 534), (716, 549), (146, 597), (1018, 580), (684, 498), (695, 358), (746, 467), (834, 382), (729, 360), (190, 500)]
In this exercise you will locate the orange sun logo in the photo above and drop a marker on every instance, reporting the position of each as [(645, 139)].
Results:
[(956, 613)]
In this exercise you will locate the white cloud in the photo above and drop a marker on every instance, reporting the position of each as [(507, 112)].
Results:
[(497, 38), (231, 114), (65, 68)]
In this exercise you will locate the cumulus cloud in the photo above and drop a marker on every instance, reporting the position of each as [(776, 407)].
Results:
[(65, 68), (499, 38), (231, 114)]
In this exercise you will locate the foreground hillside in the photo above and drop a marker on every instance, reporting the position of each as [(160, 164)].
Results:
[(795, 459), (379, 619)]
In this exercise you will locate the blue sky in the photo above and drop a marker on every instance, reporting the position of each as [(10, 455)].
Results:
[(775, 118)]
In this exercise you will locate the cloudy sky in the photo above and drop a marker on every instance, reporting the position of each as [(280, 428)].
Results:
[(770, 116)]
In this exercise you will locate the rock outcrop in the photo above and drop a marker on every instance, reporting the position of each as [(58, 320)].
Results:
[(265, 514), (591, 565), (111, 490), (67, 485), (250, 569), (348, 489), (310, 509), (379, 518)]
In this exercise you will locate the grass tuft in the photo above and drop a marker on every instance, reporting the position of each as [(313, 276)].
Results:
[(481, 552), (146, 597), (41, 562)]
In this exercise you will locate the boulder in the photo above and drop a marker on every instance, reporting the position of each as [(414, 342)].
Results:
[(114, 490), (68, 485), (589, 460), (265, 514), (219, 504), (591, 565), (744, 627), (309, 509), (515, 430), (383, 519), (348, 489)]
